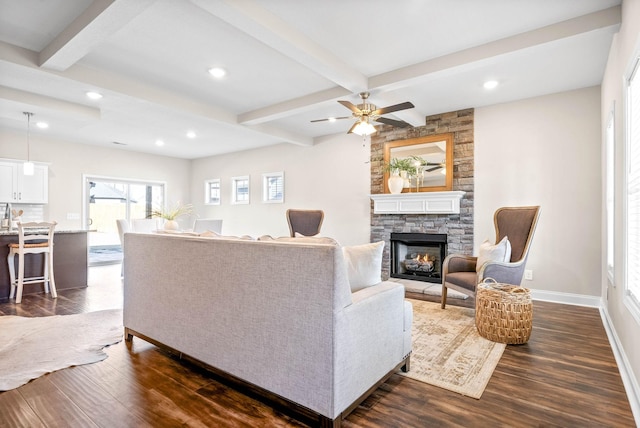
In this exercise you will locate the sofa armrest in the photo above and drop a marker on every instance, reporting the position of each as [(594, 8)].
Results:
[(370, 340)]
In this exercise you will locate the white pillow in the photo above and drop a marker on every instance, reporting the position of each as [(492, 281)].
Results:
[(364, 264), (501, 252)]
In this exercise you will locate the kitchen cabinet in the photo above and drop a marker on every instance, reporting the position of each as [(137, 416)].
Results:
[(15, 187)]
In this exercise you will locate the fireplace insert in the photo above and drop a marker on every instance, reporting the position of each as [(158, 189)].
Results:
[(418, 256)]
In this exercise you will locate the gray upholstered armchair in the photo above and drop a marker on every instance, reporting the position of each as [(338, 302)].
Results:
[(305, 222), (518, 224)]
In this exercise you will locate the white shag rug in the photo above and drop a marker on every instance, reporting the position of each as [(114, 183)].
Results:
[(32, 347)]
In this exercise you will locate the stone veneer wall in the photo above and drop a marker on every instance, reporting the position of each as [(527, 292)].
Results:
[(458, 227)]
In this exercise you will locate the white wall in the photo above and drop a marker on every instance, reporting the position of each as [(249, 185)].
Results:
[(68, 162), (332, 175), (621, 55), (545, 151)]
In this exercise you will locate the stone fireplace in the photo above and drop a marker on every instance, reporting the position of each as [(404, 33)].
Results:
[(457, 226)]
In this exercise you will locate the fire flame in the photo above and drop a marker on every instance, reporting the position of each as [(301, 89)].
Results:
[(422, 258)]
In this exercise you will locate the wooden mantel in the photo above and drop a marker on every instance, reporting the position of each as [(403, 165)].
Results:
[(417, 203)]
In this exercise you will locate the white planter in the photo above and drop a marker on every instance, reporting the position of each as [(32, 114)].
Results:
[(171, 225), (395, 183)]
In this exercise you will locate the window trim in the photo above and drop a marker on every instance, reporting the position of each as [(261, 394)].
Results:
[(610, 198), (265, 187), (207, 191), (631, 301), (235, 200)]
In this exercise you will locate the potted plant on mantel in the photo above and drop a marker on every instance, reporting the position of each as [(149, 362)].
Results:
[(171, 215), (399, 170)]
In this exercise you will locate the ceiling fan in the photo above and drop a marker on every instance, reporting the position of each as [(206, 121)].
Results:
[(366, 112)]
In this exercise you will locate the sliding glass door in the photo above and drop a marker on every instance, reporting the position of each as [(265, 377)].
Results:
[(108, 200)]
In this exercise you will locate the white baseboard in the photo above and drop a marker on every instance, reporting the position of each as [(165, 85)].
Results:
[(626, 372), (567, 298)]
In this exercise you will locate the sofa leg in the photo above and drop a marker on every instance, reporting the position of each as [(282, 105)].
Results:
[(128, 337), (326, 422), (407, 365)]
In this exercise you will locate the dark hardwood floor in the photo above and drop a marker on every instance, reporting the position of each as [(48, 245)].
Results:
[(566, 376)]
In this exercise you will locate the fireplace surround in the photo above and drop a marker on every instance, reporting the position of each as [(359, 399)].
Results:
[(418, 256), (457, 225)]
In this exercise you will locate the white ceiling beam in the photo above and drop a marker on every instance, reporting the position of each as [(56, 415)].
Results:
[(290, 107), (402, 77), (285, 136), (251, 18), (14, 56), (95, 25), (79, 111)]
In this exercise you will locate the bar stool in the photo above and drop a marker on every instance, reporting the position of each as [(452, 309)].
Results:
[(33, 238)]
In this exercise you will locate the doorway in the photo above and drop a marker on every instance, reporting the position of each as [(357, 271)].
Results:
[(108, 200)]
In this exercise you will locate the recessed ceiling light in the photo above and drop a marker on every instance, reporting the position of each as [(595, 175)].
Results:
[(94, 95), (218, 72), (191, 134), (332, 119), (490, 84), (42, 125), (159, 143)]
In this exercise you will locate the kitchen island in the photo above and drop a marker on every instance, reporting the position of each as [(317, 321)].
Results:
[(69, 262)]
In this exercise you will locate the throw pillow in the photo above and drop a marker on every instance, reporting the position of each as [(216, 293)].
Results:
[(500, 252), (364, 264)]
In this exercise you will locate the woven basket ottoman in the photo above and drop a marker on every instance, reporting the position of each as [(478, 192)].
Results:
[(504, 312)]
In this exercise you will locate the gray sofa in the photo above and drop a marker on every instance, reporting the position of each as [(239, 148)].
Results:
[(276, 317)]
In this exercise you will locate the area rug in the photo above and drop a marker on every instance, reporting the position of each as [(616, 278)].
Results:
[(448, 352), (428, 288), (32, 347)]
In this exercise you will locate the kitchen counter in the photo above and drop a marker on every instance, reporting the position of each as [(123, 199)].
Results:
[(69, 262)]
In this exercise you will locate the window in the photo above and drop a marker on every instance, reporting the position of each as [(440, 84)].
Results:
[(610, 189), (632, 190), (273, 187), (240, 190), (212, 192)]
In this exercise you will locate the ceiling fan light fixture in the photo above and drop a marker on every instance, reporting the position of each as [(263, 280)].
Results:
[(364, 128)]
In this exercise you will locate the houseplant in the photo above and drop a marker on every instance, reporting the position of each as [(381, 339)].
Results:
[(399, 169), (172, 214)]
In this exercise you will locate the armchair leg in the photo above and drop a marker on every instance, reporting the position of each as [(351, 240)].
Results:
[(444, 296)]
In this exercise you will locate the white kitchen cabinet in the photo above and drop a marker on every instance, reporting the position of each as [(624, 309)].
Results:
[(15, 187)]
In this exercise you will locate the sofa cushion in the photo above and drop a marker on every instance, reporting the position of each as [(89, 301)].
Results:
[(500, 252), (215, 235), (305, 240), (364, 264)]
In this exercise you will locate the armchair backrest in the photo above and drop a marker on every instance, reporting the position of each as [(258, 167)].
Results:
[(519, 224), (305, 222)]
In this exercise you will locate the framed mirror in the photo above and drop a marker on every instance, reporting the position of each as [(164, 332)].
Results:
[(425, 164)]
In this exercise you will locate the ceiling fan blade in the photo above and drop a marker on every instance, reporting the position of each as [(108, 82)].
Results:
[(391, 109), (396, 123), (335, 118), (352, 127), (350, 106)]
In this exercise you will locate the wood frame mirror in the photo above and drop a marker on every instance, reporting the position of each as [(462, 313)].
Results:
[(430, 155)]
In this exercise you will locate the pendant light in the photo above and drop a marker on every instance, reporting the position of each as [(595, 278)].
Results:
[(28, 167)]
